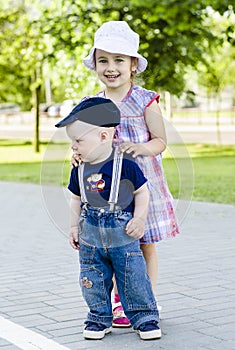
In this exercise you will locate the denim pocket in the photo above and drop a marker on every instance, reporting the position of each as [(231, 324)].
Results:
[(81, 224), (86, 252), (92, 285), (138, 288)]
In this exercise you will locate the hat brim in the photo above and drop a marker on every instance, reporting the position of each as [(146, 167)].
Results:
[(89, 61)]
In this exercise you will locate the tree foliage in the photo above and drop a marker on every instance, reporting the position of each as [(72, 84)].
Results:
[(57, 34), (173, 35), (217, 72)]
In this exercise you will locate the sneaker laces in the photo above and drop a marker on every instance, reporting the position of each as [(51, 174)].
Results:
[(96, 327), (148, 326)]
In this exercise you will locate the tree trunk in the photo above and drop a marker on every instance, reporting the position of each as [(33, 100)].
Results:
[(218, 131), (37, 90), (37, 115)]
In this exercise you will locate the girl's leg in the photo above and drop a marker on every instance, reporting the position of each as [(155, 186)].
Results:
[(119, 318), (115, 291), (150, 256)]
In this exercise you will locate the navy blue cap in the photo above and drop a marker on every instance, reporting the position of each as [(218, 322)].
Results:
[(95, 111)]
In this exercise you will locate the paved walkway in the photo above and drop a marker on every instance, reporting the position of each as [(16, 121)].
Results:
[(40, 296)]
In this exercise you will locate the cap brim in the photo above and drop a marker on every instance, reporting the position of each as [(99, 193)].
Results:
[(95, 111), (66, 121)]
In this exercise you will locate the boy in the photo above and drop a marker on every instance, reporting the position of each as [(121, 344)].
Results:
[(109, 204)]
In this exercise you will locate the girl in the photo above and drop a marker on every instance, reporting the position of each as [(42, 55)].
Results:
[(141, 133)]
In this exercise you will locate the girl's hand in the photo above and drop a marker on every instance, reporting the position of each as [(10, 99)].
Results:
[(73, 237), (129, 147), (75, 160), (135, 228)]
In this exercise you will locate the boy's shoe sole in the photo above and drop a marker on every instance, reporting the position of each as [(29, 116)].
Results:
[(150, 335), (96, 335)]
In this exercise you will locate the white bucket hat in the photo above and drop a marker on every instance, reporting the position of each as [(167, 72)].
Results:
[(116, 37)]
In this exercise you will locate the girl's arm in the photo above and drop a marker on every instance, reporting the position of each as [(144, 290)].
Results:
[(157, 142), (135, 227), (75, 210)]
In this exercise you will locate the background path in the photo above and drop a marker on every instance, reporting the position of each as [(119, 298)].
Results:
[(178, 130)]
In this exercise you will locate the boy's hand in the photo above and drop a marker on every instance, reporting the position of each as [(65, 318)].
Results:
[(135, 228), (73, 237), (75, 160)]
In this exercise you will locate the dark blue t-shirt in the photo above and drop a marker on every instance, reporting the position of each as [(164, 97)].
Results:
[(97, 182)]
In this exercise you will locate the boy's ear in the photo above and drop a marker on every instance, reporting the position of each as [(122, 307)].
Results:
[(104, 136)]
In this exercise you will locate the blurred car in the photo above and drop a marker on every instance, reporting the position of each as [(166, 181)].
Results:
[(42, 108), (54, 110), (9, 108), (66, 107), (57, 109)]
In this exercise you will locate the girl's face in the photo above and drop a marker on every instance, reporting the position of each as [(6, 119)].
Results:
[(114, 70)]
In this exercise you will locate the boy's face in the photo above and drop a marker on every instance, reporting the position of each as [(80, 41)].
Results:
[(87, 141)]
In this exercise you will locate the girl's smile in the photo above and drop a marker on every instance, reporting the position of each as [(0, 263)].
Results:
[(112, 77)]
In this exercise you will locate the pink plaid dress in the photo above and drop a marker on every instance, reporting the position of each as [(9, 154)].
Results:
[(161, 222)]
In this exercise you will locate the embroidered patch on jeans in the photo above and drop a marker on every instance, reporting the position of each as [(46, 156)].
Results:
[(86, 283)]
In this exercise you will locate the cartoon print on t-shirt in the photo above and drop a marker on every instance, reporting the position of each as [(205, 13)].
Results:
[(96, 183)]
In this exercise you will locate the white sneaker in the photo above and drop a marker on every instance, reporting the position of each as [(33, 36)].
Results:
[(149, 330), (95, 331)]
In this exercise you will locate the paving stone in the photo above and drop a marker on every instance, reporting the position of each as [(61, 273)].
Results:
[(196, 281), (59, 325), (3, 342), (221, 331), (9, 347)]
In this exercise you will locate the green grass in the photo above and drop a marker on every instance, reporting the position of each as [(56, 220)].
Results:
[(19, 162), (207, 176), (196, 172)]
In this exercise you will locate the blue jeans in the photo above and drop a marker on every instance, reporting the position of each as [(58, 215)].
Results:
[(100, 257)]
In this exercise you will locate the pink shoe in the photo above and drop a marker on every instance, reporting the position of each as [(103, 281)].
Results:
[(119, 318)]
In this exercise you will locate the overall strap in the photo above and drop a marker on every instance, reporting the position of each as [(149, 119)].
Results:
[(116, 176), (81, 183)]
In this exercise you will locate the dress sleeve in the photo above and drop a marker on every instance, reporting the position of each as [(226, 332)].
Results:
[(149, 97), (156, 97)]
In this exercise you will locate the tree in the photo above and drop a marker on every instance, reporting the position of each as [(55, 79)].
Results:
[(31, 36), (173, 34), (23, 50), (217, 70)]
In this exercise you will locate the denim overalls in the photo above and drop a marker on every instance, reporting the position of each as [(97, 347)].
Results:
[(106, 249)]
